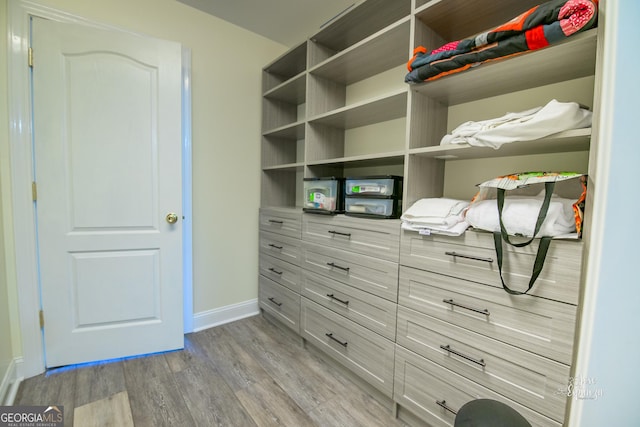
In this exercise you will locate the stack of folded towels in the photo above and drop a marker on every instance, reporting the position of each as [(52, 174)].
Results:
[(436, 215)]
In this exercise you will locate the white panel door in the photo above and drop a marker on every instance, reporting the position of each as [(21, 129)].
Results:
[(107, 127)]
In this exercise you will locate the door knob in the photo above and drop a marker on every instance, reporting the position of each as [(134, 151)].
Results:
[(172, 218)]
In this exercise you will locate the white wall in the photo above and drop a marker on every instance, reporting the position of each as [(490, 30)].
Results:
[(612, 346), (226, 111), (8, 339)]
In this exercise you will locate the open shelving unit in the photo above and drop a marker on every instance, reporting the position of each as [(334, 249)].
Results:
[(337, 105), (311, 124)]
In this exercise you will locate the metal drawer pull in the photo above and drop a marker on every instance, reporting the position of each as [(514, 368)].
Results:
[(330, 264), (273, 300), (448, 349), (275, 221), (338, 299), (274, 270), (443, 403), (274, 246), (344, 344), (339, 233), (466, 307), (475, 258)]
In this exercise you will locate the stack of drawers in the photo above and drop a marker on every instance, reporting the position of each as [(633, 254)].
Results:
[(349, 293), (460, 336), (279, 265)]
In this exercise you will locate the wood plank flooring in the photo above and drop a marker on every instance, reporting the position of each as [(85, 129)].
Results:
[(246, 373)]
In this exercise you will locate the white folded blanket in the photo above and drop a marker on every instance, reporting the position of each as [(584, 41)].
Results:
[(521, 126), (454, 230), (437, 211), (439, 215), (519, 216)]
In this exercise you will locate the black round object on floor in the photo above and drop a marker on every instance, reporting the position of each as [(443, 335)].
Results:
[(489, 413)]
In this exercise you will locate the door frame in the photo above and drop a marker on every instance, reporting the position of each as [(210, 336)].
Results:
[(22, 171)]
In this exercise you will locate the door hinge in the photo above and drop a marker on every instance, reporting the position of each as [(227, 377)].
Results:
[(41, 316), (34, 191), (30, 57)]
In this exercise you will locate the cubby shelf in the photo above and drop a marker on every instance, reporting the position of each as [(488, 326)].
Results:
[(563, 142), (364, 59), (375, 110), (524, 71)]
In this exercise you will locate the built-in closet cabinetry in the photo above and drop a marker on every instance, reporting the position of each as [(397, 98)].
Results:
[(423, 319)]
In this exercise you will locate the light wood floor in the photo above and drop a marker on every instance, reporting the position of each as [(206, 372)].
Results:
[(245, 373)]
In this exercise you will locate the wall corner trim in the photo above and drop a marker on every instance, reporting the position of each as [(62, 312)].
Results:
[(11, 382), (227, 314)]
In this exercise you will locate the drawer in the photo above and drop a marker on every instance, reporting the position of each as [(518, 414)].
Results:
[(280, 272), (373, 275), (541, 326), (370, 311), (282, 247), (377, 238), (280, 302), (420, 384), (285, 221), (364, 352), (527, 378), (475, 259)]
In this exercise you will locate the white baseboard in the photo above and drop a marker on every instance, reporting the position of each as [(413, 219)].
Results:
[(220, 316), (10, 382)]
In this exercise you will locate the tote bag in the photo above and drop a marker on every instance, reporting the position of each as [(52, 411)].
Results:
[(523, 204)]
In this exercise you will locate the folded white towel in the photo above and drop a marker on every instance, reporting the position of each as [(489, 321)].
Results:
[(455, 230), (434, 210), (519, 216)]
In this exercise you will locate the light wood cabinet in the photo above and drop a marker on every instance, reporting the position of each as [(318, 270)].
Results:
[(337, 105)]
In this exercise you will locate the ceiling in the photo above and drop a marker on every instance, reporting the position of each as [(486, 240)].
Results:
[(288, 22)]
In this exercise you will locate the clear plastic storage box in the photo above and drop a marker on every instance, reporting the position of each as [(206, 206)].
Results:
[(387, 185), (324, 195), (373, 207)]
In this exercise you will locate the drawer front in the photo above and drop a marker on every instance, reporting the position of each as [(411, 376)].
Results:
[(364, 352), (280, 272), (541, 326), (287, 222), (280, 302), (420, 383), (281, 247), (529, 379), (377, 238), (370, 311), (472, 257), (363, 272)]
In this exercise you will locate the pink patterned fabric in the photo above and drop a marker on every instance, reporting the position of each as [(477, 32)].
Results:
[(574, 15), (446, 47)]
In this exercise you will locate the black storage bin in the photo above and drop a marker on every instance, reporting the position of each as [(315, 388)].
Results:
[(324, 195), (378, 185)]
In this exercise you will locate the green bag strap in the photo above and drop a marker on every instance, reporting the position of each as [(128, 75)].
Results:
[(548, 191), (541, 254), (537, 265)]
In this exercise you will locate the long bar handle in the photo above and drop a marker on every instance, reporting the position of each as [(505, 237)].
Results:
[(475, 258), (331, 264), (275, 246), (339, 233), (333, 297), (275, 221), (466, 307), (443, 403), (330, 335), (273, 300), (448, 349), (273, 270)]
